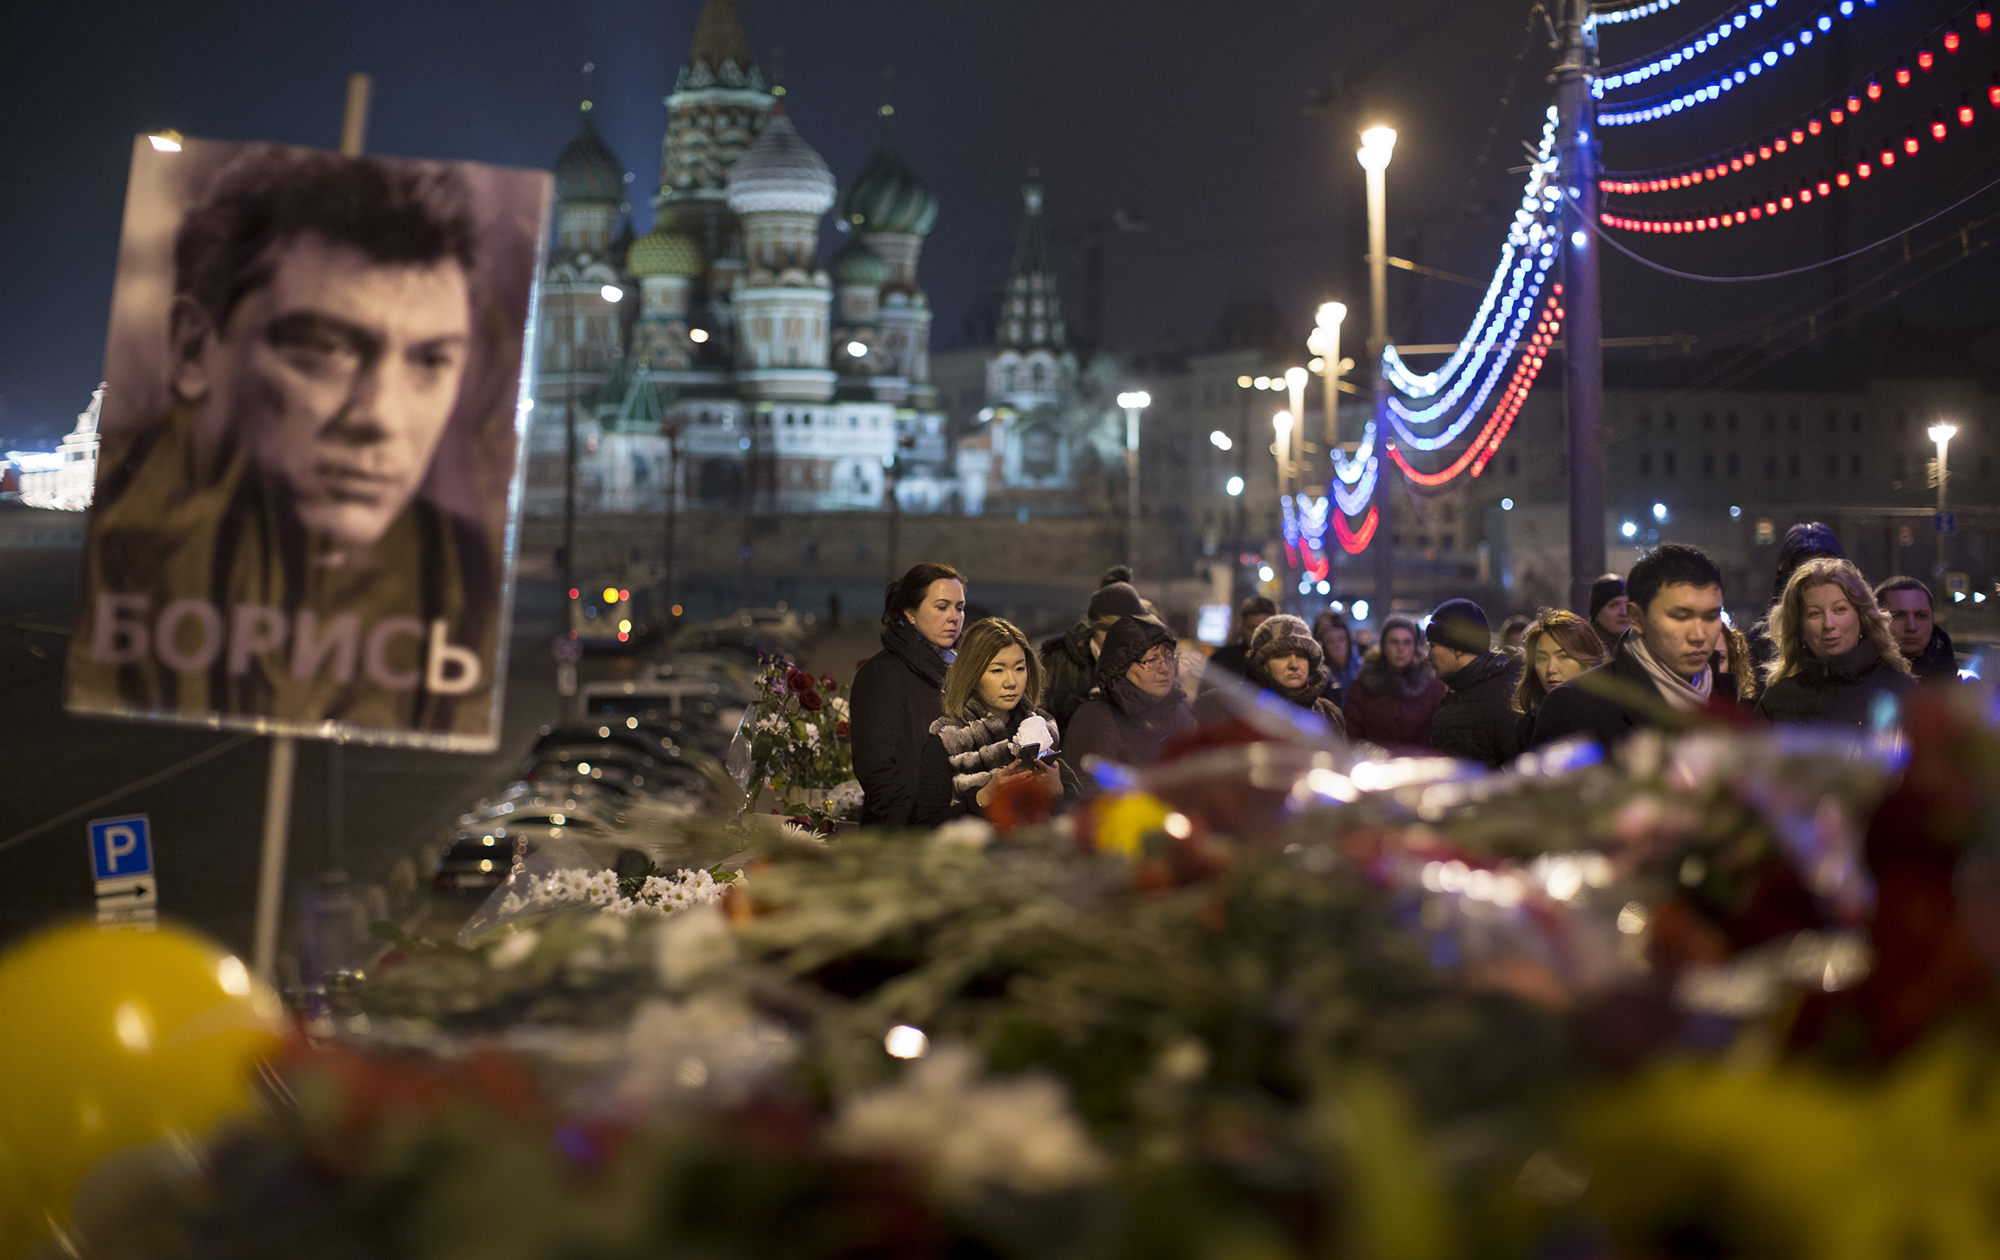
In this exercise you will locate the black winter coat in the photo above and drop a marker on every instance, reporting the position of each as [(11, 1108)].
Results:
[(1068, 669), (1233, 657), (1939, 663), (1840, 691), (1592, 704), (895, 698), (1476, 720), (1125, 725)]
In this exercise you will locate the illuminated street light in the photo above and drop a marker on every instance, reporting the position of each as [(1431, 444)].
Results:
[(1629, 530), (1233, 487), (612, 293), (857, 349), (697, 335), (1942, 435), (1220, 440), (1378, 145), (1506, 505), (1263, 382), (1660, 512), (166, 141), (1134, 402)]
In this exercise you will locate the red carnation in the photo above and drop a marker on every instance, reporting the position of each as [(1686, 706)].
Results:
[(799, 681), (841, 729), (810, 700)]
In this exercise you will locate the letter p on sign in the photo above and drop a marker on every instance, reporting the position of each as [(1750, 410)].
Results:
[(121, 847)]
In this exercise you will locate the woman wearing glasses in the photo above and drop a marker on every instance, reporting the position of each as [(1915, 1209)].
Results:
[(1139, 701)]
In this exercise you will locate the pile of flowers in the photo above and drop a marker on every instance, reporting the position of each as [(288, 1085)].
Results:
[(603, 890), (795, 742)]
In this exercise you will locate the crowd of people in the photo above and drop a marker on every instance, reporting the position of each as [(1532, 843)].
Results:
[(945, 715)]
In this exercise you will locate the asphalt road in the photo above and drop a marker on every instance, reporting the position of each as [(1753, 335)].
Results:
[(207, 820)]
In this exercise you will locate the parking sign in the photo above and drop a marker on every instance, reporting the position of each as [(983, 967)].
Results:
[(121, 847)]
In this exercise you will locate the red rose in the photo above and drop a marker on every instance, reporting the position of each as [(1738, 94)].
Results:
[(810, 700), (800, 682), (841, 729), (827, 684)]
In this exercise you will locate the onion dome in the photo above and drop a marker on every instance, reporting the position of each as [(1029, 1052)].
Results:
[(588, 170), (780, 171), (663, 253), (887, 196), (858, 264)]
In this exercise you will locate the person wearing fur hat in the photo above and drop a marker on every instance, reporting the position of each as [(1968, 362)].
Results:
[(1392, 697), (1069, 661), (1286, 660), (1139, 701), (991, 731), (1476, 720)]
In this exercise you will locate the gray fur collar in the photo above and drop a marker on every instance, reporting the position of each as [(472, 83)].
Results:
[(980, 745)]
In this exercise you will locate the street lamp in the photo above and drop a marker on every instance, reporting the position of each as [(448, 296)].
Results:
[(612, 294), (1942, 435), (1325, 342), (1134, 402), (1295, 385), (1378, 145), (1281, 424)]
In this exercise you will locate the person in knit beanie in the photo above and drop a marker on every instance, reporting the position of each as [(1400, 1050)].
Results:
[(1610, 612), (1475, 720), (1069, 660)]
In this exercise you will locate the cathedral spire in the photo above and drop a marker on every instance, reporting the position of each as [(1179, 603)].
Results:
[(1032, 316), (720, 52)]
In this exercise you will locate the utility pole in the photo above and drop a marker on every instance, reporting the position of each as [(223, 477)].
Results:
[(1133, 402), (1583, 358)]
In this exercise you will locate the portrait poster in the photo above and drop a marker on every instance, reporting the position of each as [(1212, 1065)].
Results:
[(309, 477)]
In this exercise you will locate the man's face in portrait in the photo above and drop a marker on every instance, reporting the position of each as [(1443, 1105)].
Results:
[(336, 378)]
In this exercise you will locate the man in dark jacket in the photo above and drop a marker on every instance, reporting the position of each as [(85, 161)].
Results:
[(1610, 611), (1069, 661), (1666, 664), (1234, 655), (1906, 602), (1476, 720)]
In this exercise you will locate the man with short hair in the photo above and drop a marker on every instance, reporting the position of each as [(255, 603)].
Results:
[(1610, 611), (1665, 664), (265, 549), (1906, 602), (1234, 655), (1069, 660), (1476, 720)]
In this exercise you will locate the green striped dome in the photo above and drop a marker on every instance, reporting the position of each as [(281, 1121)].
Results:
[(887, 196), (663, 253), (588, 170), (858, 264)]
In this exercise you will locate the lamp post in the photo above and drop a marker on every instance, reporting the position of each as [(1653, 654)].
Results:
[(612, 294), (1325, 342), (1134, 402), (1942, 435), (1378, 144), (1281, 426)]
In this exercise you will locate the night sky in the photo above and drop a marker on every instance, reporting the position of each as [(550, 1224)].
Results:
[(1229, 127)]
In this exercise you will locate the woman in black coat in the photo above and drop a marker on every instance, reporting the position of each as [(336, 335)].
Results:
[(1836, 660), (896, 694), (991, 732), (1139, 701)]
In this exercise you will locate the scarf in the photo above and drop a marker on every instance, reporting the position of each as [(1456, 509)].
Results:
[(1678, 692)]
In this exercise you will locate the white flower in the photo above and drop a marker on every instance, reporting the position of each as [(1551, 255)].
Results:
[(515, 948), (713, 1043), (1033, 730), (792, 831), (964, 1133), (687, 945), (838, 706), (974, 833)]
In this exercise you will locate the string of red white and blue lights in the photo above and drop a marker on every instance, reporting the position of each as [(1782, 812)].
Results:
[(1831, 113), (1487, 443)]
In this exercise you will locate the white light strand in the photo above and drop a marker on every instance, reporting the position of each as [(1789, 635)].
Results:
[(1618, 16), (1536, 201), (1478, 403), (1630, 73)]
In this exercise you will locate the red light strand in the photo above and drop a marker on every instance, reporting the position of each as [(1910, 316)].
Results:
[(1355, 541), (1487, 443)]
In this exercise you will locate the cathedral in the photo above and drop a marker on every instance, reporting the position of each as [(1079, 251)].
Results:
[(713, 359)]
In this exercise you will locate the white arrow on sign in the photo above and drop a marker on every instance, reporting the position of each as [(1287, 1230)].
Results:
[(136, 890)]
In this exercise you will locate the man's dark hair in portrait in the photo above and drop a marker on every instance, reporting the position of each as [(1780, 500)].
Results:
[(264, 550)]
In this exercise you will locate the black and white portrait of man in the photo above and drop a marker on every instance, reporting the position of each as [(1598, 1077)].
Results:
[(309, 437)]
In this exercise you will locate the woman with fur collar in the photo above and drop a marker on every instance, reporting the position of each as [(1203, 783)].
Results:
[(1286, 660), (990, 726), (1393, 696)]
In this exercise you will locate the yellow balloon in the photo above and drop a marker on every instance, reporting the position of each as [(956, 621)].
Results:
[(112, 1039)]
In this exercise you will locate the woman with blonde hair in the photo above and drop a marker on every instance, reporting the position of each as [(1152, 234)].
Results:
[(991, 731), (1836, 659)]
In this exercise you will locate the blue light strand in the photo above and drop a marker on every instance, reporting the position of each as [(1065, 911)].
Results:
[(1537, 200), (1451, 397), (1652, 108), (1631, 73), (1354, 500), (1478, 403), (1617, 17)]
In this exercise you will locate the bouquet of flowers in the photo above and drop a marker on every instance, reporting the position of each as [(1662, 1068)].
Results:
[(794, 740)]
